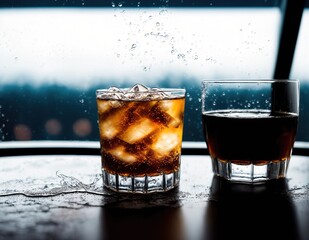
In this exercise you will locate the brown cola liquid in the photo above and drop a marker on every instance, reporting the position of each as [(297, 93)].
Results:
[(141, 138), (249, 137)]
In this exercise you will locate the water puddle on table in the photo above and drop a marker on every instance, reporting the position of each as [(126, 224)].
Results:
[(69, 182), (45, 176)]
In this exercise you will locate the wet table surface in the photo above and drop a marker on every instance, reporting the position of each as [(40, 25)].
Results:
[(61, 197)]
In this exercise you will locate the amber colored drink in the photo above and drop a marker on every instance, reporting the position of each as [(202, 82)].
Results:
[(249, 137), (141, 137)]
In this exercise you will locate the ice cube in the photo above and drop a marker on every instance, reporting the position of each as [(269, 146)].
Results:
[(121, 154), (109, 128), (159, 114), (137, 92), (115, 104), (141, 92), (115, 89), (167, 141), (138, 130), (112, 93), (173, 122), (144, 108), (172, 107), (174, 110), (139, 88), (105, 106), (116, 121), (157, 94)]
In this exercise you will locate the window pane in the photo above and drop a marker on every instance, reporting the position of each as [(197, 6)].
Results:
[(300, 71), (53, 59)]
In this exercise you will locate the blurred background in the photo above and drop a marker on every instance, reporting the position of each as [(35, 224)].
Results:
[(55, 54)]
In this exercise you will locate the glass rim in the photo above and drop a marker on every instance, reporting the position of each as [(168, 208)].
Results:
[(150, 90), (250, 80)]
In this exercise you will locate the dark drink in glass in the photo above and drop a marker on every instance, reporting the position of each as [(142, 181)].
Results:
[(250, 137), (250, 127)]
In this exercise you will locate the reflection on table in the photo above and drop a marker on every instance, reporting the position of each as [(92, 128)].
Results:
[(62, 197)]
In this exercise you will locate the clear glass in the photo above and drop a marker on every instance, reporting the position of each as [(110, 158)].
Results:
[(250, 127), (141, 138)]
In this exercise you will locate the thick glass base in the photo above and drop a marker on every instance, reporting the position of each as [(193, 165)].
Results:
[(250, 173), (144, 184)]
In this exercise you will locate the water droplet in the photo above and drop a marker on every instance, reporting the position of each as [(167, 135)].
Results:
[(163, 12), (81, 101), (45, 208), (145, 68), (113, 4), (133, 46), (157, 24), (181, 55)]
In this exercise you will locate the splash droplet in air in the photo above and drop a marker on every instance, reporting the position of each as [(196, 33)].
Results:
[(133, 47)]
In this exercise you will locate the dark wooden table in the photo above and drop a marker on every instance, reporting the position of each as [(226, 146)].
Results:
[(61, 197)]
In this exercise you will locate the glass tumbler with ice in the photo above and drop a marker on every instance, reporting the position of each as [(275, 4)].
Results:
[(140, 136)]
